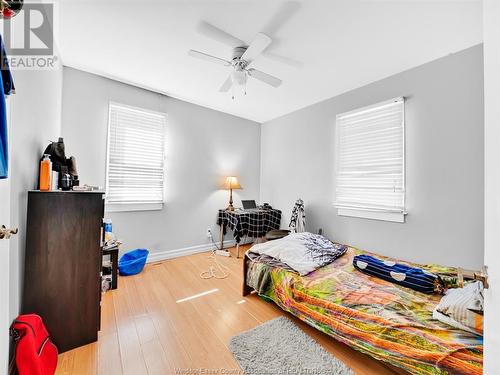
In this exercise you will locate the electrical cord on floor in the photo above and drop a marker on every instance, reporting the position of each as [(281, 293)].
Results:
[(215, 243), (216, 270)]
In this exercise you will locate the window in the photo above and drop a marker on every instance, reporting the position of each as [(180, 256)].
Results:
[(135, 159), (370, 179)]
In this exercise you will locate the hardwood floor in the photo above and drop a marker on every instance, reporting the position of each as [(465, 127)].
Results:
[(147, 329)]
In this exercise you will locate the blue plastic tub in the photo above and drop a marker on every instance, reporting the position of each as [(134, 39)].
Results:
[(133, 262)]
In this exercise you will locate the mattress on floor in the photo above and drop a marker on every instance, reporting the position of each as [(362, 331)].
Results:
[(386, 321)]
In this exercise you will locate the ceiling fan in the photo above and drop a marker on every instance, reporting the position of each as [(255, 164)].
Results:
[(244, 54)]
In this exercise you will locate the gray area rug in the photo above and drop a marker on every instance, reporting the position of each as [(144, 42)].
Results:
[(280, 347)]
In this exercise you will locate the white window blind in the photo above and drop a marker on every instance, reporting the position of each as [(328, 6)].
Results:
[(135, 167), (370, 179)]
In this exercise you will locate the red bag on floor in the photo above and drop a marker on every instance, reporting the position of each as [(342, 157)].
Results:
[(35, 354)]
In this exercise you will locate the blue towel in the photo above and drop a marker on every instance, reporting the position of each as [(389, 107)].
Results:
[(401, 274), (8, 87)]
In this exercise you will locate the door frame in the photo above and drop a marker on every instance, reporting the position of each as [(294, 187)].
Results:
[(5, 208)]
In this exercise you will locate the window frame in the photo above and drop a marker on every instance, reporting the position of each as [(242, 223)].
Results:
[(398, 216), (130, 207)]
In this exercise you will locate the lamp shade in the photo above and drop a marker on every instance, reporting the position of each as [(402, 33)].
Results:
[(232, 183)]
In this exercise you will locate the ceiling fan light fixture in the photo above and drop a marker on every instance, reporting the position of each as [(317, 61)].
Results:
[(239, 77)]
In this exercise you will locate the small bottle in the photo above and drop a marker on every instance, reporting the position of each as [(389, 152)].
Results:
[(108, 230), (55, 180), (45, 173)]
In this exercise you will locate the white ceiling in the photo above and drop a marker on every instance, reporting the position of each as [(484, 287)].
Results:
[(343, 44)]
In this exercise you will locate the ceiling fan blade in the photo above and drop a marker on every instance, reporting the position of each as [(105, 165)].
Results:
[(264, 77), (219, 35), (258, 45), (284, 13), (207, 57), (282, 59), (226, 85)]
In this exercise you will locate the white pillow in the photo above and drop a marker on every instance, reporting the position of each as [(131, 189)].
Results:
[(304, 252)]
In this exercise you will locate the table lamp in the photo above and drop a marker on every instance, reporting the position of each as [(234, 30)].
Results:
[(231, 183)]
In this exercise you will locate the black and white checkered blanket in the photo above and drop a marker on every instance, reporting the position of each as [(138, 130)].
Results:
[(251, 223)]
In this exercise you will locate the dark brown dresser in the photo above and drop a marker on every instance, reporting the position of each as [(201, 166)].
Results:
[(62, 275)]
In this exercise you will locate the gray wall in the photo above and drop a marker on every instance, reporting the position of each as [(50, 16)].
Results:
[(444, 160), (202, 145), (36, 115)]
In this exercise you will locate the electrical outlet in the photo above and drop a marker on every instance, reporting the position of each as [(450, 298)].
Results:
[(209, 233)]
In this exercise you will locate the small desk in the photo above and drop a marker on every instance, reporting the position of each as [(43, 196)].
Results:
[(248, 223)]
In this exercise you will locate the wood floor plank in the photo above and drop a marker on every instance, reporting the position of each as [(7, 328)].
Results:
[(132, 296), (153, 351), (130, 348), (155, 358), (85, 360), (109, 357), (153, 297), (147, 328), (65, 363), (108, 321)]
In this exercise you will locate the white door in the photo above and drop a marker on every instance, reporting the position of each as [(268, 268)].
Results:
[(4, 272)]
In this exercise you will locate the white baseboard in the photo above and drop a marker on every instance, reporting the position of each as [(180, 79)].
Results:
[(156, 256)]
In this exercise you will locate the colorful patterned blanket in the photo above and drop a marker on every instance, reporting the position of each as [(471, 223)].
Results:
[(386, 321)]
